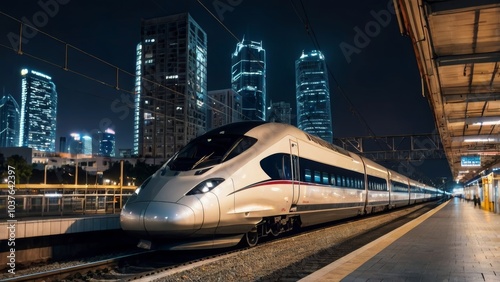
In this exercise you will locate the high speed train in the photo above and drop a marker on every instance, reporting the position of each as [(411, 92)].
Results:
[(247, 180)]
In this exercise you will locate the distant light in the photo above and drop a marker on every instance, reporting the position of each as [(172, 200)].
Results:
[(24, 71), (110, 131), (479, 139), (493, 122), (41, 74)]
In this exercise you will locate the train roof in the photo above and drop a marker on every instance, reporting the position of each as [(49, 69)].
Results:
[(238, 128)]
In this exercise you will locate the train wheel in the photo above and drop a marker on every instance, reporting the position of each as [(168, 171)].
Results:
[(252, 237)]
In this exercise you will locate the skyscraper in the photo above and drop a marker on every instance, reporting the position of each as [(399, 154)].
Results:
[(137, 100), (280, 112), (76, 144), (38, 111), (248, 78), (86, 145), (173, 88), (107, 143), (62, 145), (9, 121), (313, 95), (225, 107)]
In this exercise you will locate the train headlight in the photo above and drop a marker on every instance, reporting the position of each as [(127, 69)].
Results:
[(205, 186)]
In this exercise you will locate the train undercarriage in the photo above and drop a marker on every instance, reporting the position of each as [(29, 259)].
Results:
[(273, 225)]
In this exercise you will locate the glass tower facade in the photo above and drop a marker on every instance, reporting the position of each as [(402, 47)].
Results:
[(225, 107), (173, 85), (76, 144), (38, 111), (248, 78), (107, 143), (280, 112), (137, 99), (313, 95), (9, 121)]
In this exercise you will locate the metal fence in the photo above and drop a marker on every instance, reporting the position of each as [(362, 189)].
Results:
[(57, 201)]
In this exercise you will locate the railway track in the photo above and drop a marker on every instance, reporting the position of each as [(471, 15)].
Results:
[(64, 272), (148, 265)]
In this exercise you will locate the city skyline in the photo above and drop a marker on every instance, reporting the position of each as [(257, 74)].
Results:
[(358, 78)]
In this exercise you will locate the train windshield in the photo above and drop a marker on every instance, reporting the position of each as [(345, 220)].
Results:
[(206, 151)]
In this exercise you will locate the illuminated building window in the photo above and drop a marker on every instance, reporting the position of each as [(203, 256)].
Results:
[(38, 111), (313, 95)]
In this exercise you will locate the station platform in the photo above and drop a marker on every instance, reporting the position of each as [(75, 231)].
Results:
[(39, 226), (454, 242)]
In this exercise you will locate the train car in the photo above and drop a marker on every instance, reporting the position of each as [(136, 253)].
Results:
[(247, 180), (400, 189)]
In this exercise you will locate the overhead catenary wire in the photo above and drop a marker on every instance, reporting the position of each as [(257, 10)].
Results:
[(310, 32), (116, 86)]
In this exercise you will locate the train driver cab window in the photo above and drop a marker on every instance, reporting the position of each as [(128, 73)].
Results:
[(240, 146), (206, 151)]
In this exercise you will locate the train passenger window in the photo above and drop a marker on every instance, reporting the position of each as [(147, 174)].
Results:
[(343, 181), (325, 178), (317, 176), (339, 180), (333, 180), (307, 176)]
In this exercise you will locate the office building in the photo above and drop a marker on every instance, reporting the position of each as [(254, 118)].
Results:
[(107, 143), (313, 95), (280, 112), (62, 145), (38, 111), (173, 85), (75, 144), (9, 121), (137, 100), (248, 78), (86, 145), (224, 107)]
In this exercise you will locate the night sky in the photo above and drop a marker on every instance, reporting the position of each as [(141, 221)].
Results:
[(379, 76)]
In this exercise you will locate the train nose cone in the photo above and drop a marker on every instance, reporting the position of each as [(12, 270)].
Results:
[(132, 215), (169, 220)]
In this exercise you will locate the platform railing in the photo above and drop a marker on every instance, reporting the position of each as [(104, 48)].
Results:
[(62, 200)]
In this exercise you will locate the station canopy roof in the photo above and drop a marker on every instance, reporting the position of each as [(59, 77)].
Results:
[(457, 48)]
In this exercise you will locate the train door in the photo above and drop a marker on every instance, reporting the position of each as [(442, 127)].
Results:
[(295, 172)]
